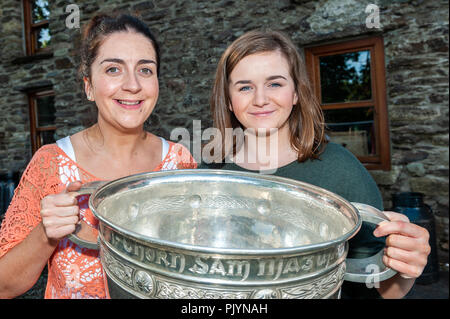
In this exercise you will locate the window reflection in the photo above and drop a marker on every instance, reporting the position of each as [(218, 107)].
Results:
[(345, 77), (40, 11), (353, 128), (45, 111), (43, 118), (43, 38), (47, 137), (37, 32)]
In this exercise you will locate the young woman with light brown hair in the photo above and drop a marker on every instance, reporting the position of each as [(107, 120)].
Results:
[(305, 121), (261, 90)]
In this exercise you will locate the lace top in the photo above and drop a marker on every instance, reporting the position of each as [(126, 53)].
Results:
[(73, 271)]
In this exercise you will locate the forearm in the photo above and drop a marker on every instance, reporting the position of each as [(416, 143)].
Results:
[(396, 287), (21, 267)]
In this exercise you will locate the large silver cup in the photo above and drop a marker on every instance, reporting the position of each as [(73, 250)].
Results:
[(226, 234)]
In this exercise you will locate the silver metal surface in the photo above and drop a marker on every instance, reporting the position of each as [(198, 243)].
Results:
[(87, 189), (221, 234), (371, 269)]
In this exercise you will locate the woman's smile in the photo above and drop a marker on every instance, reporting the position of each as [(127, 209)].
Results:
[(262, 113), (130, 104)]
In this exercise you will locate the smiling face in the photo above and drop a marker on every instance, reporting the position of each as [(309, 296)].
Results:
[(262, 91), (124, 81)]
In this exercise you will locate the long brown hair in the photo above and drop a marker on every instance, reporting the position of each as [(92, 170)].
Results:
[(306, 122)]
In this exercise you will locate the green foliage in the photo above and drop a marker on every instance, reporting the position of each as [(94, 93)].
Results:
[(345, 77)]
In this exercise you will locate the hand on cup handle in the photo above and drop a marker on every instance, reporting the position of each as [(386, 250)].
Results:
[(60, 212), (407, 245), (84, 237)]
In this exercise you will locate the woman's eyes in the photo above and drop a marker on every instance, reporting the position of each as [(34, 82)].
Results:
[(112, 69), (146, 71), (270, 85), (116, 70), (244, 88)]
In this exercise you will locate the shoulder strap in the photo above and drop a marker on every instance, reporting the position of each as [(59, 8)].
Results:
[(165, 148), (65, 144)]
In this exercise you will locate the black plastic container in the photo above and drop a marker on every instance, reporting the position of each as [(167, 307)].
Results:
[(411, 204)]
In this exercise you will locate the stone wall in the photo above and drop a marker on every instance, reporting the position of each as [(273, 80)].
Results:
[(417, 78), (194, 34)]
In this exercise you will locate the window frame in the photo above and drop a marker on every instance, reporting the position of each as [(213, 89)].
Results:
[(30, 29), (35, 130), (382, 159)]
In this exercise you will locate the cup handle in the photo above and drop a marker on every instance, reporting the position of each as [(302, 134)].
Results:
[(370, 269), (86, 189)]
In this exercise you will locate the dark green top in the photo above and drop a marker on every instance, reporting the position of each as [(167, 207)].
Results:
[(340, 172)]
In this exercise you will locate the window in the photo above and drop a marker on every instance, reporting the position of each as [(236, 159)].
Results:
[(349, 80), (36, 20), (42, 118)]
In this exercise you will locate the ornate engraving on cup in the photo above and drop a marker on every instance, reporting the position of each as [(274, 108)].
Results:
[(154, 286), (266, 294), (318, 288), (144, 282), (204, 234), (226, 268), (132, 277), (118, 269), (170, 290)]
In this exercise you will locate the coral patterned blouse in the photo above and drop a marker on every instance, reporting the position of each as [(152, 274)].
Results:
[(73, 271)]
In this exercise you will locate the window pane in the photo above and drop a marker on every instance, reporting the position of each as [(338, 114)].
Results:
[(345, 77), (45, 111), (352, 128), (40, 10), (47, 137), (43, 37)]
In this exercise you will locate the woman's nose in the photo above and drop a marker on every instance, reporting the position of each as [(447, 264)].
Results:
[(131, 83), (260, 98)]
